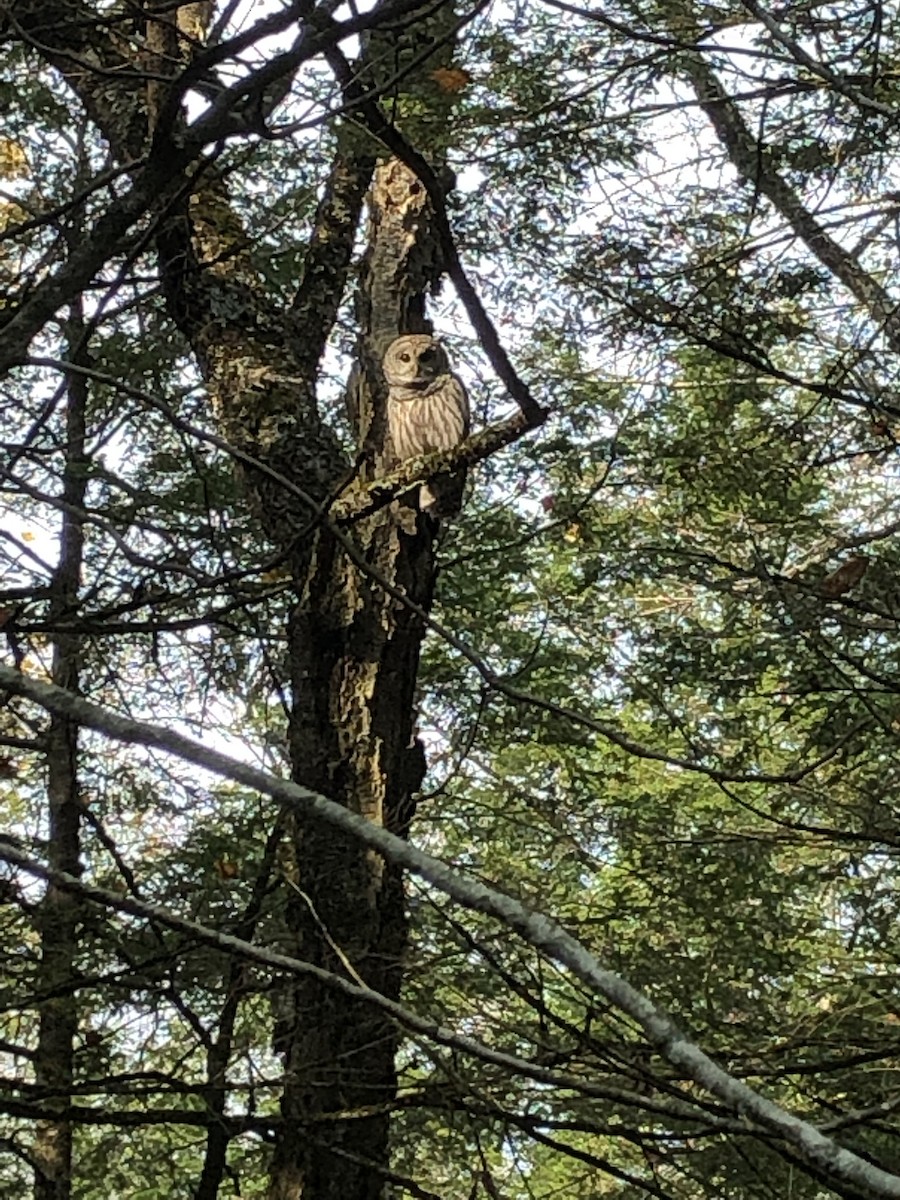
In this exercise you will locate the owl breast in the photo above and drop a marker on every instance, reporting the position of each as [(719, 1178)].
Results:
[(423, 422)]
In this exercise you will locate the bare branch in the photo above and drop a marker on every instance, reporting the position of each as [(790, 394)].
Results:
[(538, 930), (754, 164)]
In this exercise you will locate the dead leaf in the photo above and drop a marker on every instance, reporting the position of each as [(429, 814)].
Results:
[(451, 79), (845, 577), (226, 868)]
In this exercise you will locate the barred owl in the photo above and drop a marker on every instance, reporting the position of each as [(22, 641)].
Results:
[(428, 410)]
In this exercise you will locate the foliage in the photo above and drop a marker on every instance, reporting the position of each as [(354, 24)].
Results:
[(666, 728)]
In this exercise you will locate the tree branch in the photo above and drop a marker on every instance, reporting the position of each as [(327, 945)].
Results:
[(373, 118), (753, 161), (537, 929), (367, 498)]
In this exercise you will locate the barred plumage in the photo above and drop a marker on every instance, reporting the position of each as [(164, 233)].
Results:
[(428, 410)]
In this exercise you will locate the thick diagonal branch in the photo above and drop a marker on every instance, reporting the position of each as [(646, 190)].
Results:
[(754, 163), (537, 929)]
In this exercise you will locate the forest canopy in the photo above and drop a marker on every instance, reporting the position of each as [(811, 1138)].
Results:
[(355, 847)]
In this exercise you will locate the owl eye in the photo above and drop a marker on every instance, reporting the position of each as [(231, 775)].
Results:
[(404, 357)]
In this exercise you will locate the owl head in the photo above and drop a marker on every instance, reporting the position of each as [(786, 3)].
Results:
[(414, 359)]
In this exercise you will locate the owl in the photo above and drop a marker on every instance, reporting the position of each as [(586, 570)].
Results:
[(428, 410)]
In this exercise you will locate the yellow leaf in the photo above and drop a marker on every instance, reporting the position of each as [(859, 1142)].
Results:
[(13, 160), (11, 214)]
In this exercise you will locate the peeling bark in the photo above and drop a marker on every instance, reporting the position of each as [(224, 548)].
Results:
[(249, 354)]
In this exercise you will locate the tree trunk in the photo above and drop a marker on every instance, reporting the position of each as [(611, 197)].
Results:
[(60, 910), (354, 663), (353, 647)]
